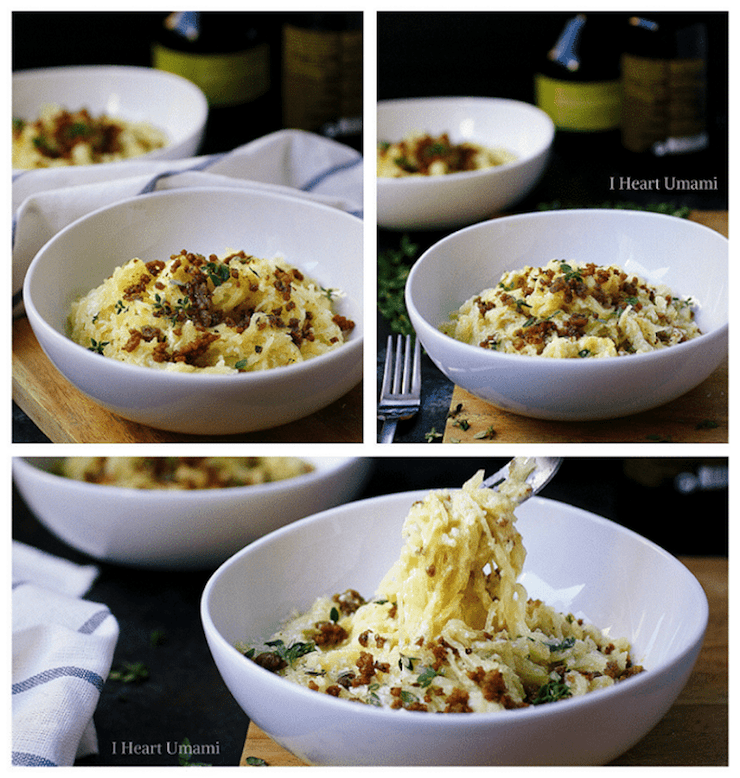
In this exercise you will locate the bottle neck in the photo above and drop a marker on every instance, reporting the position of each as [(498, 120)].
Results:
[(565, 51)]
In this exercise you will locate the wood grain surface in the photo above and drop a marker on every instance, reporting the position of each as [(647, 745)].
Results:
[(65, 415), (694, 732), (700, 416)]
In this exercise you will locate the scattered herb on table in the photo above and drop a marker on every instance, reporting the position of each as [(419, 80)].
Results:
[(681, 211), (455, 411), (185, 756), (157, 637), (256, 761), (656, 438), (707, 424), (486, 434), (130, 672), (394, 266)]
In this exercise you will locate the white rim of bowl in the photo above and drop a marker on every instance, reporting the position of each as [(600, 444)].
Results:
[(352, 344)]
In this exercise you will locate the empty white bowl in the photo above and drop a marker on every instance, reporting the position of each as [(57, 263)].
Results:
[(690, 258), (323, 242), (173, 529), (167, 101), (449, 201), (618, 580)]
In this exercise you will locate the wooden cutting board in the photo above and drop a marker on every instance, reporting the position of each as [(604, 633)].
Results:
[(693, 732), (65, 415), (701, 416)]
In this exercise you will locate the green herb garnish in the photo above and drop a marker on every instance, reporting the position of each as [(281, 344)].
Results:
[(255, 761), (217, 272), (407, 698), (292, 652), (570, 273), (394, 266), (552, 691), (130, 672), (427, 676), (97, 346), (564, 645), (707, 424), (185, 756)]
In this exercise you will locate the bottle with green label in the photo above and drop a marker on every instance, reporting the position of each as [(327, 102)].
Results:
[(577, 82), (230, 56)]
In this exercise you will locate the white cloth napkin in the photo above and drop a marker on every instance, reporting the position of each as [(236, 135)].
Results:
[(62, 652), (293, 161)]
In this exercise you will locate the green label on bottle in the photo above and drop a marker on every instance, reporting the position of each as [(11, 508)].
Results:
[(225, 79), (592, 106)]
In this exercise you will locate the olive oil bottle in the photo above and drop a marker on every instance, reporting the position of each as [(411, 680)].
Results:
[(231, 57), (578, 80)]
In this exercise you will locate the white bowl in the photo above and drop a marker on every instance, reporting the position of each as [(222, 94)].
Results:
[(165, 100), (444, 202), (619, 581), (178, 530), (690, 258), (323, 242)]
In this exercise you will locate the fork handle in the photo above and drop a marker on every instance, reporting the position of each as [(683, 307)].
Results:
[(388, 431)]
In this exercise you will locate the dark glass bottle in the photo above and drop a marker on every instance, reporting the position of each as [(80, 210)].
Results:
[(664, 69), (230, 56), (577, 82), (322, 74)]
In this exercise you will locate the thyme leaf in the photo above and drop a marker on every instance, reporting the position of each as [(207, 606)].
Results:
[(553, 690), (97, 346), (217, 272), (432, 435), (427, 676), (292, 652)]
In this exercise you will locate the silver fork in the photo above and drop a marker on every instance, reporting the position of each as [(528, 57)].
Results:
[(542, 473), (400, 392)]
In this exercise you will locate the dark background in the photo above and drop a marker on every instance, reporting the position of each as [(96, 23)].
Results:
[(184, 696), (496, 54), (64, 38)]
